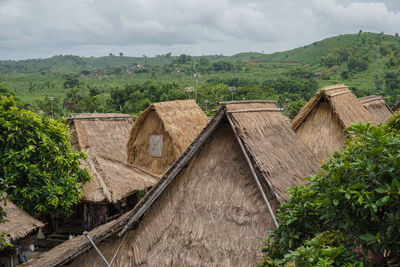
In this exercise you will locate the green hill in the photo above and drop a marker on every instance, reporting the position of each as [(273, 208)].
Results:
[(363, 43), (348, 59)]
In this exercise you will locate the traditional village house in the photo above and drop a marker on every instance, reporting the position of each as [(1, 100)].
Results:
[(115, 184), (18, 228), (162, 132), (321, 122), (396, 106), (213, 206), (376, 105)]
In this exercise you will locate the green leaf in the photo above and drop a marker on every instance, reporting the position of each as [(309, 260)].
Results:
[(380, 190), (369, 238), (382, 201)]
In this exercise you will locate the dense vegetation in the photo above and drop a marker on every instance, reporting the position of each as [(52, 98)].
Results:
[(127, 84), (39, 170), (348, 213)]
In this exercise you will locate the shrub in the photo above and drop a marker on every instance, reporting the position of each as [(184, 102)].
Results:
[(355, 195)]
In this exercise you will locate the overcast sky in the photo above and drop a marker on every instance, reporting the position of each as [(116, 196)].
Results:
[(43, 28)]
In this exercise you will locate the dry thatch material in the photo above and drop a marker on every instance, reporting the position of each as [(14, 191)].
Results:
[(207, 209), (70, 249), (321, 122), (19, 224), (275, 149), (376, 105), (104, 138), (396, 106), (178, 122), (105, 134)]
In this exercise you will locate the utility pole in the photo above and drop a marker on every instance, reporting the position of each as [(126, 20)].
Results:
[(206, 102), (189, 90), (232, 89), (196, 76)]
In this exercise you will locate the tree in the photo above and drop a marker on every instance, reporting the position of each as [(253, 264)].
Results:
[(293, 108), (5, 91), (204, 62), (37, 161), (71, 83), (349, 211), (182, 59), (121, 54), (357, 63)]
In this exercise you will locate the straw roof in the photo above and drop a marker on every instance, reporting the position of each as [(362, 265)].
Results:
[(343, 103), (104, 138), (113, 180), (104, 133), (376, 105), (178, 121), (210, 192), (396, 106), (321, 122), (19, 224), (70, 249), (277, 152)]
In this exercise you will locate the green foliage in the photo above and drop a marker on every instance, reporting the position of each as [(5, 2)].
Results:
[(355, 63), (71, 83), (293, 108), (325, 249), (37, 160), (394, 122), (291, 72), (5, 91), (392, 81), (356, 195), (136, 97)]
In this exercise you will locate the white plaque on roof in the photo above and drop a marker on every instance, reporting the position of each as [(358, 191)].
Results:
[(155, 145)]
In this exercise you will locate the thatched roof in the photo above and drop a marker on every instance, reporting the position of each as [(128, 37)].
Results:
[(113, 180), (70, 249), (396, 106), (209, 193), (277, 152), (19, 224), (321, 122), (104, 138), (179, 121), (343, 103), (104, 133), (376, 105)]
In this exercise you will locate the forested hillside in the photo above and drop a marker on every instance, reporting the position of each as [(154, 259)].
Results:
[(117, 83)]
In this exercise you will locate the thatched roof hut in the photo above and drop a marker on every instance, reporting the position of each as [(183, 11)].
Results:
[(104, 138), (19, 224), (396, 106), (162, 132), (321, 122), (213, 205), (376, 105)]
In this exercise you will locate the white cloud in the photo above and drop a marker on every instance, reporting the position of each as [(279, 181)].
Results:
[(97, 27)]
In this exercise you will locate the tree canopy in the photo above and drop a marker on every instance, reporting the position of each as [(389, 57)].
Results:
[(38, 162), (349, 212)]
